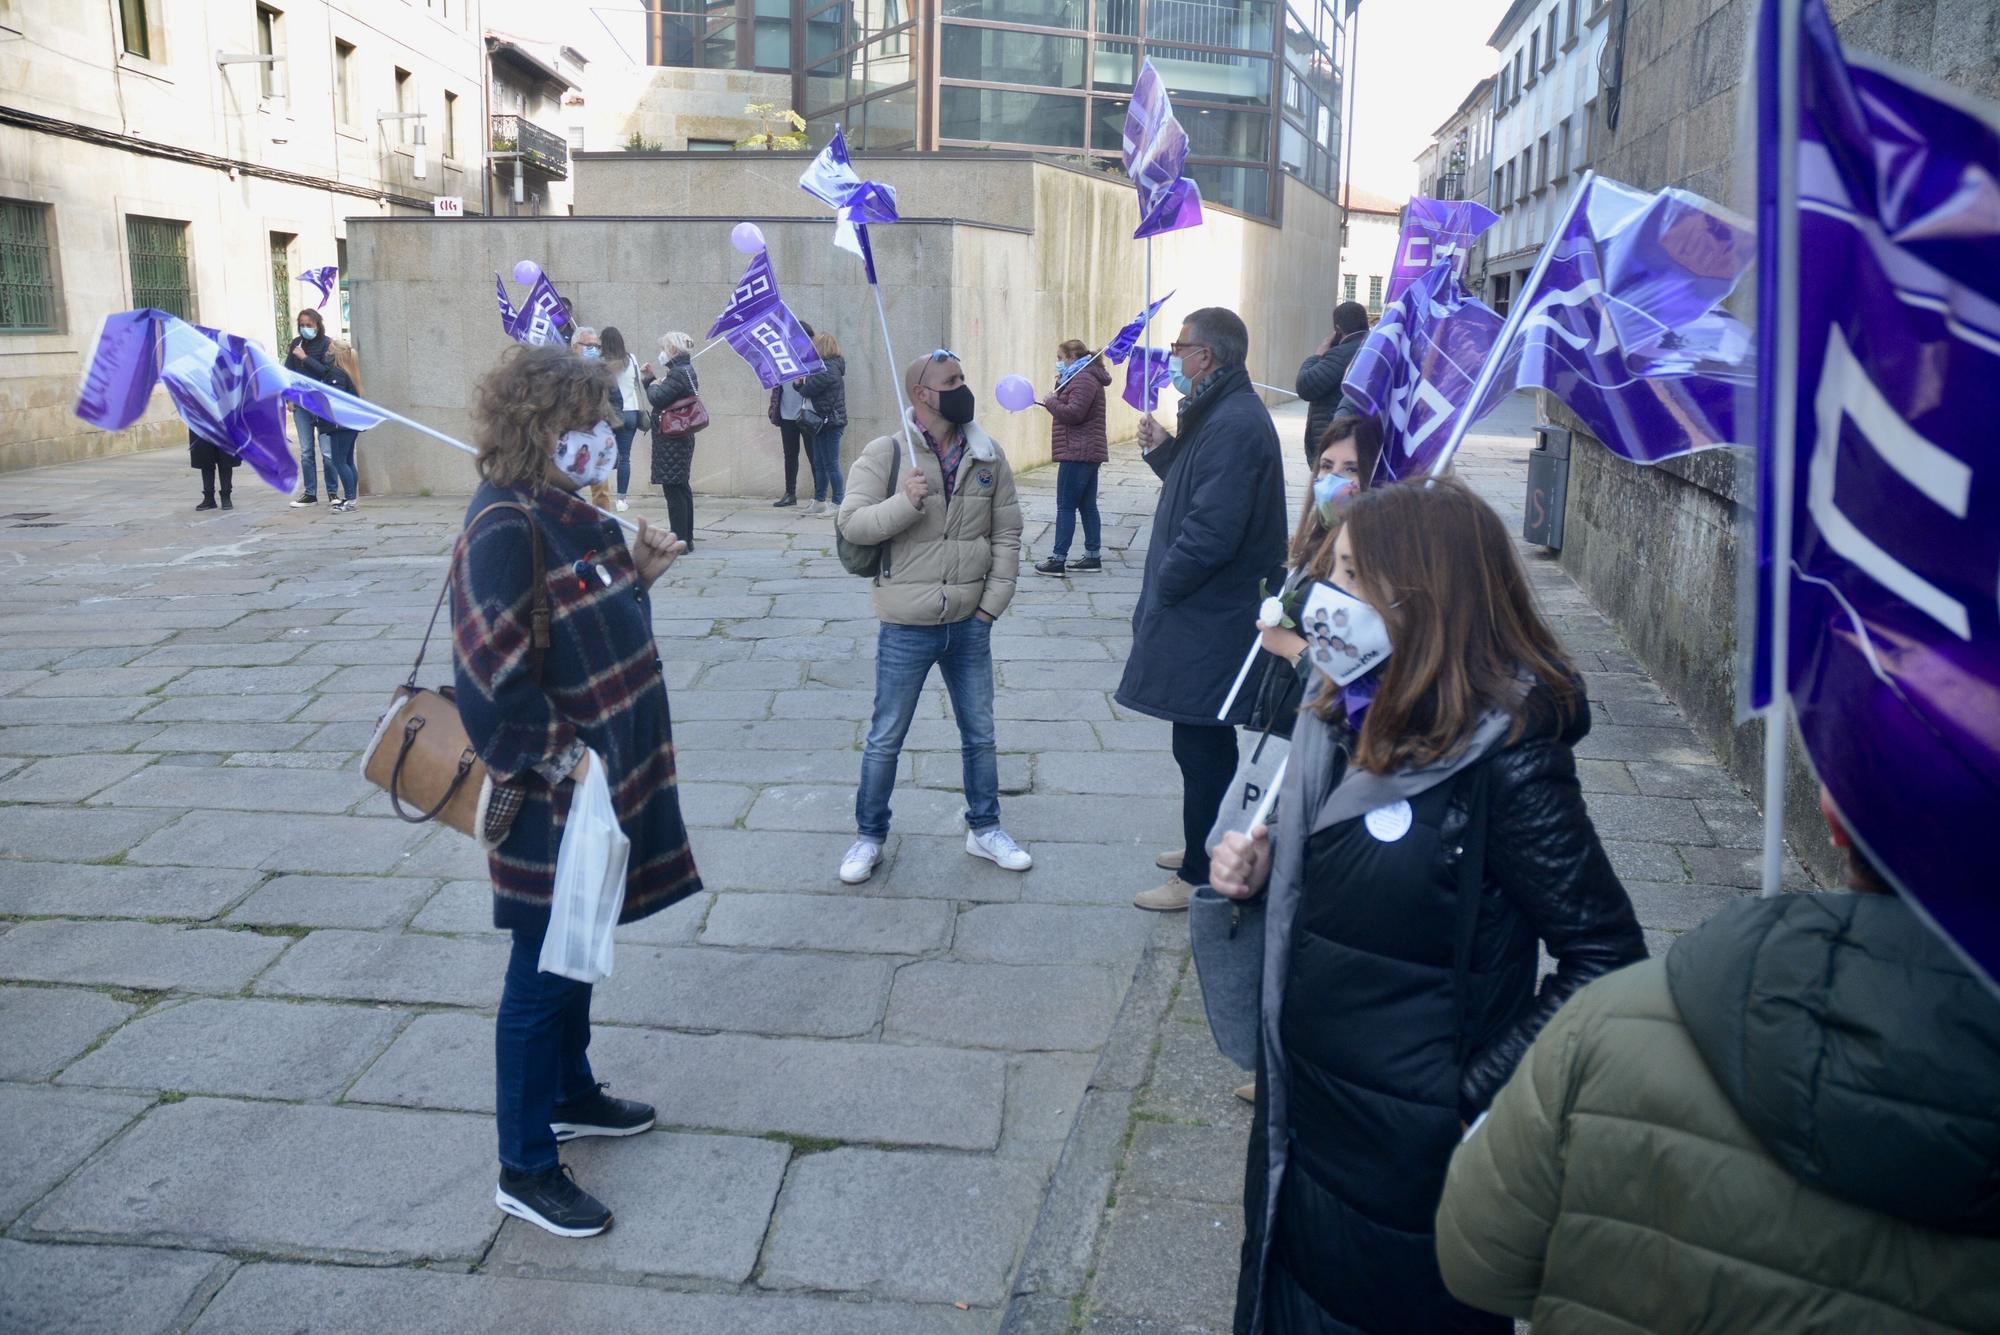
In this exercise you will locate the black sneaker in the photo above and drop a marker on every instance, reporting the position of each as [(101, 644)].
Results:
[(304, 501), (1086, 565), (784, 500), (207, 503), (601, 1115), (227, 504), (1052, 566), (551, 1201)]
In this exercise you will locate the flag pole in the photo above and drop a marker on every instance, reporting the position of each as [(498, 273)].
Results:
[(1491, 366), (1781, 445), (895, 375), (719, 338)]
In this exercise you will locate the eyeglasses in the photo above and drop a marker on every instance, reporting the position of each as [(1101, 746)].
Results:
[(1178, 348)]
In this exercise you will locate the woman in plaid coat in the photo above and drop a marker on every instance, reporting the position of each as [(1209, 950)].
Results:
[(534, 715)]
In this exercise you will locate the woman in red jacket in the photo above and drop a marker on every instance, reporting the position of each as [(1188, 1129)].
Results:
[(1078, 445)]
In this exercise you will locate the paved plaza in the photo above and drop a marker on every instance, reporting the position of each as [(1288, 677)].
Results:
[(246, 1013)]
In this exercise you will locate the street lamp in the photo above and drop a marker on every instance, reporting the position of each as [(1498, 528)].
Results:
[(419, 162)]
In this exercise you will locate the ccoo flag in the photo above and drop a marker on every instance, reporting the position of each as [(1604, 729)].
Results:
[(1145, 376), (1121, 344), (1436, 231), (544, 319), (1417, 370), (1888, 478), (763, 330), (1156, 150), (322, 279), (831, 179)]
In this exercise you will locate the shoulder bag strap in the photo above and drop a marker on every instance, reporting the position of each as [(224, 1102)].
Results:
[(538, 618)]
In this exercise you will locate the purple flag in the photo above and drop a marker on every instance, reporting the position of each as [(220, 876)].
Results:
[(763, 330), (544, 318), (1121, 345), (321, 279), (831, 178), (1892, 635), (1416, 370), (1624, 323), (1156, 150), (226, 388), (1436, 231), (1145, 376)]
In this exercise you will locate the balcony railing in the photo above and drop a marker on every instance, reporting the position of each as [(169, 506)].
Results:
[(539, 149)]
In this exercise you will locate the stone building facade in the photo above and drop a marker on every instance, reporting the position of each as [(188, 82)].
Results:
[(1659, 549)]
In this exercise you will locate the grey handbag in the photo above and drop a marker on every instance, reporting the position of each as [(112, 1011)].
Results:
[(1228, 940)]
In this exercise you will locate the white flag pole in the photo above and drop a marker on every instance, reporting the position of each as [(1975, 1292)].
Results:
[(1783, 442), (1491, 366), (1242, 673), (895, 376), (711, 343)]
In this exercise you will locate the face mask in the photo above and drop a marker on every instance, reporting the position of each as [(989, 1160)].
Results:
[(1345, 637), (587, 457), (591, 352), (1174, 373), (956, 405), (307, 332), (1328, 493)]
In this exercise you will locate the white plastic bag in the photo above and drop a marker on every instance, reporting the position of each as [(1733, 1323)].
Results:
[(590, 883)]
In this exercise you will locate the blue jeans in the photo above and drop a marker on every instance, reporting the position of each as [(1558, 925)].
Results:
[(541, 1043), (824, 454), (963, 652), (1076, 489), (341, 464), (625, 435), (309, 427)]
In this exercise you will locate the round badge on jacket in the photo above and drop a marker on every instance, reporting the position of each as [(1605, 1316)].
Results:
[(985, 477), (1389, 823)]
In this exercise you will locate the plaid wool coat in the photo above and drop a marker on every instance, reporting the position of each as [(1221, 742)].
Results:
[(600, 687)]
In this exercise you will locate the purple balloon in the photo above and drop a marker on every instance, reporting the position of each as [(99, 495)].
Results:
[(1014, 393), (526, 272), (747, 237)]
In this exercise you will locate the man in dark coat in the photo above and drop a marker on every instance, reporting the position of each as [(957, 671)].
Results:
[(1218, 534), (1320, 374)]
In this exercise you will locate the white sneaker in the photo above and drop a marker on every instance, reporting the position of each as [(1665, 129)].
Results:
[(861, 861), (997, 846), (622, 506)]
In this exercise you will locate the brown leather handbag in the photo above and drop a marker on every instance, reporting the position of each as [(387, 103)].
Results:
[(682, 417), (420, 754)]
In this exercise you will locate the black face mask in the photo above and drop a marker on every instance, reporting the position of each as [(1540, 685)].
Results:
[(956, 405)]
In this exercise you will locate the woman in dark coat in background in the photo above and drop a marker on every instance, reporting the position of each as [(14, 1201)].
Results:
[(673, 456), (1418, 860), (212, 460), (1077, 444)]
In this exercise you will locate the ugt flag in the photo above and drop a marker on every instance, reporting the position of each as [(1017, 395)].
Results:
[(1436, 231), (1417, 368), (322, 279), (831, 179), (763, 329), (1890, 473), (1156, 150), (1121, 344), (1145, 376), (226, 388), (1625, 324), (544, 318)]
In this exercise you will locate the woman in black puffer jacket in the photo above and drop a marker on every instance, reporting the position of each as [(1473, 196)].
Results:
[(673, 456), (825, 392), (1418, 859)]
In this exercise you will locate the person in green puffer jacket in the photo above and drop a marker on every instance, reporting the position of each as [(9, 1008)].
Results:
[(1791, 1122)]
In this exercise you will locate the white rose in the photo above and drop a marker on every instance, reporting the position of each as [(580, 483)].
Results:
[(1272, 613)]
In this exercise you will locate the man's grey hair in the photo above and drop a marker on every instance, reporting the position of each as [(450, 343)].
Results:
[(1222, 332), (581, 330)]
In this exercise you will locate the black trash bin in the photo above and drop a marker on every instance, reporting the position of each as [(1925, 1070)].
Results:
[(1548, 488)]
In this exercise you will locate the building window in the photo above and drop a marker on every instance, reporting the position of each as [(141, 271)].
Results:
[(269, 43), (1374, 296), (343, 82), (340, 262), (710, 145), (450, 145), (405, 95), (281, 286), (27, 269), (132, 29), (1534, 56), (1549, 55), (1517, 80), (1500, 188), (161, 279), (1570, 27), (576, 139), (1542, 170), (1526, 184), (1562, 151), (995, 55), (1347, 287), (985, 115)]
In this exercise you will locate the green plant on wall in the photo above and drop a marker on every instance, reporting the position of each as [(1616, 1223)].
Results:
[(639, 143), (784, 129)]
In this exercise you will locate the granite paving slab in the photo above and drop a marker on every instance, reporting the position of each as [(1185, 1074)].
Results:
[(253, 1049), (129, 1290), (49, 1132)]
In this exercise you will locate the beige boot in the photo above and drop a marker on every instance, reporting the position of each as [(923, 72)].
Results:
[(1172, 861), (1248, 1093), (1170, 898)]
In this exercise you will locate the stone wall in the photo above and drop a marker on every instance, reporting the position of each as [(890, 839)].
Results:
[(1657, 548), (1002, 257)]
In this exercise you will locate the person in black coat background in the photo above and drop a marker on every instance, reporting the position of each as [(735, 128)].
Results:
[(673, 456), (1418, 859), (1218, 536), (1320, 374), (213, 461)]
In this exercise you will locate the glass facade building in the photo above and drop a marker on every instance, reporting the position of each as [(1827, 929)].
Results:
[(1257, 83)]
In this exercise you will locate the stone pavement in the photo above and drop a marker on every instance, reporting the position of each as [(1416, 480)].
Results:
[(247, 1013)]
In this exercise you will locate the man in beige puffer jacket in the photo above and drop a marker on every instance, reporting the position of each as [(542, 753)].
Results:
[(950, 534)]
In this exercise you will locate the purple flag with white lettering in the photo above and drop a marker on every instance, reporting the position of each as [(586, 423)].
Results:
[(1625, 324), (543, 318), (1436, 231), (1416, 370), (763, 330), (1121, 344), (1156, 150), (1891, 475), (1145, 376), (322, 279), (831, 178)]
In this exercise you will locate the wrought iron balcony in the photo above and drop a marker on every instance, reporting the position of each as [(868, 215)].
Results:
[(539, 149)]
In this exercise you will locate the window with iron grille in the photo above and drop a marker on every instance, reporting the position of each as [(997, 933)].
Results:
[(28, 302), (1375, 296), (161, 277), (1347, 288)]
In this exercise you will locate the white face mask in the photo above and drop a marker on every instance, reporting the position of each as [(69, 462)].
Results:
[(1345, 637), (587, 457)]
